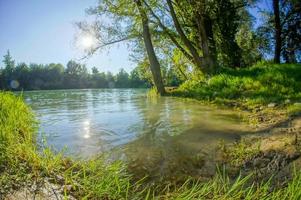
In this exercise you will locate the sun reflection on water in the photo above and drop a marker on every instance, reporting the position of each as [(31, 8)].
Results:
[(86, 126)]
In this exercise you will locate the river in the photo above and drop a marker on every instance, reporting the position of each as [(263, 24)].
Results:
[(161, 133)]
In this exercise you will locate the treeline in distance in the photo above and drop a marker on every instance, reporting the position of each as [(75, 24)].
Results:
[(55, 76), (33, 76)]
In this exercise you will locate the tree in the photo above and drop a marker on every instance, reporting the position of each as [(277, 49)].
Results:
[(122, 79), (154, 63), (101, 80), (282, 30), (291, 31), (137, 80), (22, 75), (192, 35), (95, 70), (249, 41), (8, 71), (203, 31), (76, 75), (129, 18), (110, 80), (228, 16), (54, 75), (277, 26), (8, 61)]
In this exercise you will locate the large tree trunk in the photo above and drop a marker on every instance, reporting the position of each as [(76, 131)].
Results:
[(154, 63), (206, 42), (277, 31)]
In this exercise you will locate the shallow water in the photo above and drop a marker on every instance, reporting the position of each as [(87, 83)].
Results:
[(152, 133)]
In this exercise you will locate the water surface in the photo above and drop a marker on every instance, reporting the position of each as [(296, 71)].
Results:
[(156, 134)]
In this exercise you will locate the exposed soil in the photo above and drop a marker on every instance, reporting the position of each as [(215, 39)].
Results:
[(278, 156)]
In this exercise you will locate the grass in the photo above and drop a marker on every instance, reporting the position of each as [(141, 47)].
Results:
[(294, 109), (22, 163), (251, 87), (152, 93), (239, 152), (222, 188)]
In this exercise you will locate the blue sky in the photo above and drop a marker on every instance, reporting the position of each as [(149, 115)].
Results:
[(42, 31)]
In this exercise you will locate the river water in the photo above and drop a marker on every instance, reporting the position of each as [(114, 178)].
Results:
[(154, 134)]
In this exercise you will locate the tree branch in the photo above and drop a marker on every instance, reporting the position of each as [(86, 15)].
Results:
[(197, 59), (167, 31), (92, 51)]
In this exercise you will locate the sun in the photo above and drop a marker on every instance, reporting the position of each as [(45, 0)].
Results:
[(86, 41)]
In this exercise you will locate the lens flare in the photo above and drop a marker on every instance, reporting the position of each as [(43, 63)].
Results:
[(14, 84)]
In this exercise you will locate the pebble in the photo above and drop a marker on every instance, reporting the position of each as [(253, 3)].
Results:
[(60, 178), (68, 187), (271, 105)]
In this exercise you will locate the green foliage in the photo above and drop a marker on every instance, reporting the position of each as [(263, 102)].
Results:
[(229, 53), (260, 84), (138, 79), (250, 44)]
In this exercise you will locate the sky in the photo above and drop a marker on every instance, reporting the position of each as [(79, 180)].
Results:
[(43, 31)]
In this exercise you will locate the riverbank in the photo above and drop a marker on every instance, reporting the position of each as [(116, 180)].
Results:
[(29, 170), (271, 95), (26, 169)]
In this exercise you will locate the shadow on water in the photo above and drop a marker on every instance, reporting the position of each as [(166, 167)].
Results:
[(165, 138)]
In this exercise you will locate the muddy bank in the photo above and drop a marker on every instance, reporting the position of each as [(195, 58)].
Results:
[(273, 153)]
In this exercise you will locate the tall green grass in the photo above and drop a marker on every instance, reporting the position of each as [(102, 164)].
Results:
[(260, 84), (222, 188), (22, 163)]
